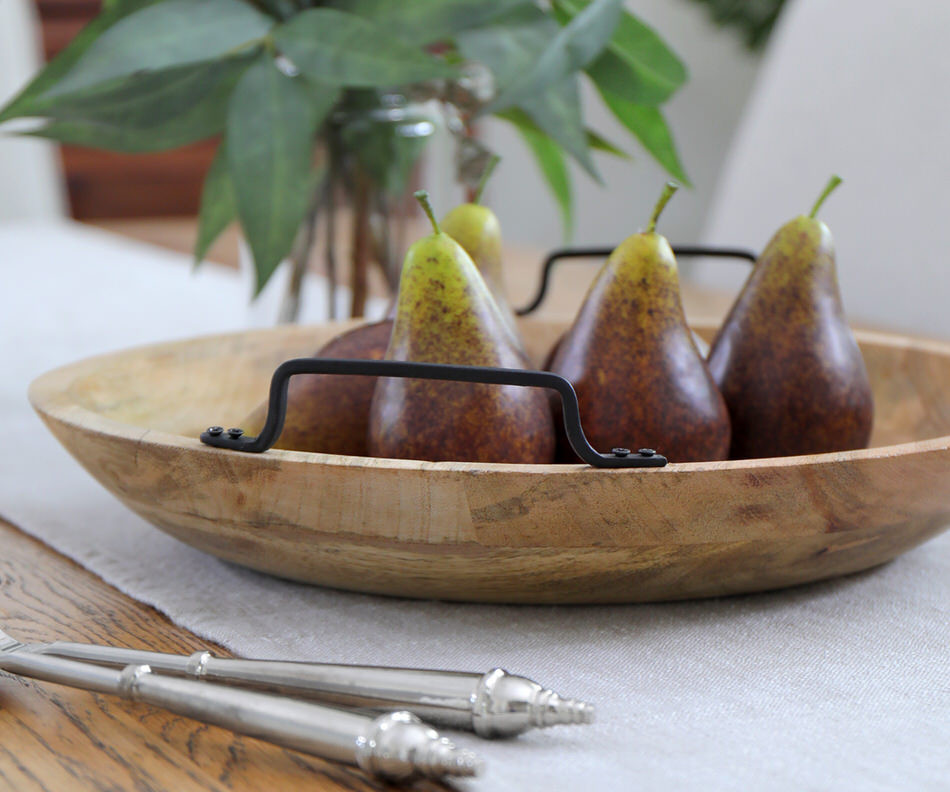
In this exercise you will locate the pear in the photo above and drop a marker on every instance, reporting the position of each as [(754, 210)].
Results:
[(329, 413), (701, 345), (640, 380), (446, 314), (476, 228), (785, 358)]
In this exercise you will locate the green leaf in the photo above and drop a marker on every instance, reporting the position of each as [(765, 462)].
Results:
[(576, 45), (611, 73), (272, 121), (557, 112), (279, 9), (128, 141), (29, 102), (338, 48), (218, 207), (126, 122), (512, 47), (599, 143), (427, 21), (150, 99), (637, 65), (754, 20), (550, 160), (650, 128), (171, 33)]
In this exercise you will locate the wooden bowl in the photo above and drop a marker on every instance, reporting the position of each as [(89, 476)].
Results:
[(498, 532)]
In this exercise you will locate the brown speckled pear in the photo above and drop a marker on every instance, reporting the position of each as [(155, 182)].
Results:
[(446, 314), (476, 228), (701, 345), (639, 377), (329, 413), (785, 358)]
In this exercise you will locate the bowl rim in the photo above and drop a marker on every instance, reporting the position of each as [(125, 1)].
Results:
[(47, 394)]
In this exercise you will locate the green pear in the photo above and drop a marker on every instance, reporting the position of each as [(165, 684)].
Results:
[(476, 228), (445, 313), (640, 380), (785, 358)]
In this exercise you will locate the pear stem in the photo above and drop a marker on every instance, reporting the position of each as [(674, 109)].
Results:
[(422, 196), (489, 167), (833, 182), (668, 190)]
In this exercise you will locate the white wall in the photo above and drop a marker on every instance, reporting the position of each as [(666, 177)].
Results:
[(702, 114), (30, 181), (858, 88)]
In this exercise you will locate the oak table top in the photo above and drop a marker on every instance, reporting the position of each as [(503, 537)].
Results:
[(56, 738)]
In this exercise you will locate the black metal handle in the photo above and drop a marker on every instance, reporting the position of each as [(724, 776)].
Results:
[(235, 439), (602, 252)]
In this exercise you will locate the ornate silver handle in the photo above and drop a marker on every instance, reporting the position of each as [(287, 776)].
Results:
[(396, 746), (495, 704)]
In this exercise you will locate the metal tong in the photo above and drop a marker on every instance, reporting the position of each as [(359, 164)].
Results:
[(396, 745), (493, 704)]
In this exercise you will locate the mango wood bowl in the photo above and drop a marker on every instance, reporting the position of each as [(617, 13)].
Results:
[(499, 532)]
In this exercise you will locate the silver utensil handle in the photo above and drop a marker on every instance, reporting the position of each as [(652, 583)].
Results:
[(116, 656), (310, 728), (396, 746), (495, 704), (441, 697), (60, 671)]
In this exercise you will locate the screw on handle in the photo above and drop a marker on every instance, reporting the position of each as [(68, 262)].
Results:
[(603, 252), (277, 404)]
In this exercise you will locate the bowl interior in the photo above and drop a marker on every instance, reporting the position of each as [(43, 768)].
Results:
[(184, 387)]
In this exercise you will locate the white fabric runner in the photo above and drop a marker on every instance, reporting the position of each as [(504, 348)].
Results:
[(838, 685)]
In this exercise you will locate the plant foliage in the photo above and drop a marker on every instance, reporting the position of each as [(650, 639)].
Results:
[(753, 18), (271, 78)]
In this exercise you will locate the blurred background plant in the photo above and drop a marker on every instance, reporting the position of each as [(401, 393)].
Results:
[(318, 104), (753, 18)]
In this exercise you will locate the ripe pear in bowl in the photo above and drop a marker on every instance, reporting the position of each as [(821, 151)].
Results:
[(446, 314), (785, 358), (476, 228), (639, 377), (329, 413)]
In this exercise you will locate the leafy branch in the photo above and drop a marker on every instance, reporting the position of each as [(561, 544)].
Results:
[(277, 80)]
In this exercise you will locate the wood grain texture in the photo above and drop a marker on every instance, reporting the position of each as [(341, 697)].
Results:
[(496, 532), (55, 738)]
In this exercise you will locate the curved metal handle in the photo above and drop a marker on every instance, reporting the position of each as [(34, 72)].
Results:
[(235, 439), (602, 252)]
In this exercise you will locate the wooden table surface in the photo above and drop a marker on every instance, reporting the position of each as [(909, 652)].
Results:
[(56, 738)]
